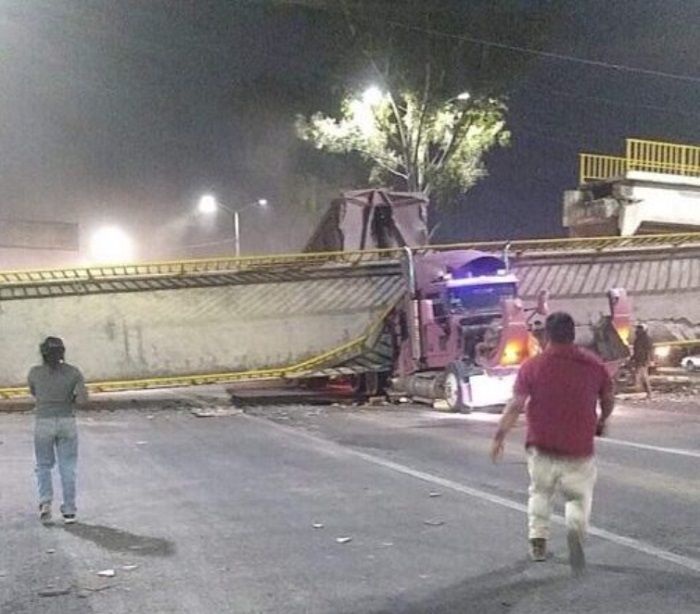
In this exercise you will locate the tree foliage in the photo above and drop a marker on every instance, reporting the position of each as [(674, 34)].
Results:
[(410, 140)]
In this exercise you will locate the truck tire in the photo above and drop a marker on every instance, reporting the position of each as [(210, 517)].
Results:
[(452, 390), (370, 384)]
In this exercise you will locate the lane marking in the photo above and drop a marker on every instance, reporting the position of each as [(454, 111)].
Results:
[(646, 446), (621, 540)]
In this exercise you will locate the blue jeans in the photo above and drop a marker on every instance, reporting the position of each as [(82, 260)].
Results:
[(56, 437)]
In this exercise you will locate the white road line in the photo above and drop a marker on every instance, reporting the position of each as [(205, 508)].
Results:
[(621, 540), (646, 446)]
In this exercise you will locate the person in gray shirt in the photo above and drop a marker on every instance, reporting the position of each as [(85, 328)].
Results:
[(57, 387)]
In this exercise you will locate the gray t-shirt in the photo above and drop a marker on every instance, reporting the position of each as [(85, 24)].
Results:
[(56, 390)]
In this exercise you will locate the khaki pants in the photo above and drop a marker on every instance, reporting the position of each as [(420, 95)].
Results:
[(573, 478)]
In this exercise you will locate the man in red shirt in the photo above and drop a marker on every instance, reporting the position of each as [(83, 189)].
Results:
[(559, 390)]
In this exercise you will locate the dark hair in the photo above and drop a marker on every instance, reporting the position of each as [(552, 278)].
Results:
[(52, 351), (560, 327)]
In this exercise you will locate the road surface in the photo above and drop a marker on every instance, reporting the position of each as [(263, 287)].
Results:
[(244, 513)]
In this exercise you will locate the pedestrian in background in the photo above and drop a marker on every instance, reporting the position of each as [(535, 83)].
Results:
[(642, 355), (559, 390), (57, 387)]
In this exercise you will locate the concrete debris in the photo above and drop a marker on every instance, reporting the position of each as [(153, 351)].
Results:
[(317, 525), (215, 412), (54, 592), (107, 573), (343, 540), (434, 523)]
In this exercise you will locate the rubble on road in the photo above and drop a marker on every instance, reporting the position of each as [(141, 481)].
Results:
[(343, 540), (54, 592), (215, 412)]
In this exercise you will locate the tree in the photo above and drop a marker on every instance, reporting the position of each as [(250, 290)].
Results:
[(414, 130), (410, 140)]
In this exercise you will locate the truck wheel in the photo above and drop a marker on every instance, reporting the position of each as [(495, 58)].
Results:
[(370, 384), (452, 388)]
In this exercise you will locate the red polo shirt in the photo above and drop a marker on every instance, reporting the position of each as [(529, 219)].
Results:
[(563, 385)]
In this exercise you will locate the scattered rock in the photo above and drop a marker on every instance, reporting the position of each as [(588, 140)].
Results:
[(317, 525), (150, 417), (50, 551), (215, 412), (141, 443), (107, 573), (343, 540), (434, 523), (435, 494), (54, 592), (387, 544), (129, 567), (83, 594)]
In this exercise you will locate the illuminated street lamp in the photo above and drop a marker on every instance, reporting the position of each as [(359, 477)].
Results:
[(110, 244), (372, 96), (209, 204)]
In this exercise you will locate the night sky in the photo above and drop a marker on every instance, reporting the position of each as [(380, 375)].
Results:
[(124, 112)]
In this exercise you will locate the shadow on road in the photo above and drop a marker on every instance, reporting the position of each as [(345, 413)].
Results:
[(604, 588), (117, 540)]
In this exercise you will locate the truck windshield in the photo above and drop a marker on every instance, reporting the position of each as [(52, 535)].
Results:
[(483, 296)]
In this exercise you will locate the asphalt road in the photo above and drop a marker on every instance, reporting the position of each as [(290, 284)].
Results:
[(218, 515)]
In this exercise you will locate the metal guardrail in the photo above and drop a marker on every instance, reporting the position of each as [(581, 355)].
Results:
[(124, 278), (641, 155), (185, 267), (659, 157), (594, 167)]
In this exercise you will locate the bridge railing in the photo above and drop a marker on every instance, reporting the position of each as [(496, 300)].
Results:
[(658, 157), (641, 155), (595, 167)]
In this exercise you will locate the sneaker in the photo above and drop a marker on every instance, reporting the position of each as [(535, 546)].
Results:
[(577, 558), (69, 518), (538, 549), (45, 512)]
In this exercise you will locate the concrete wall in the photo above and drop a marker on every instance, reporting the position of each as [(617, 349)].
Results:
[(664, 286), (639, 202), (188, 331)]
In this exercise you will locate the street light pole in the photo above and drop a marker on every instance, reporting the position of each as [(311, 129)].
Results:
[(237, 233), (208, 204)]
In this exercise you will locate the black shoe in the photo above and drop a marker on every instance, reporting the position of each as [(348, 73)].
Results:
[(577, 558), (45, 512), (69, 518), (538, 549)]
